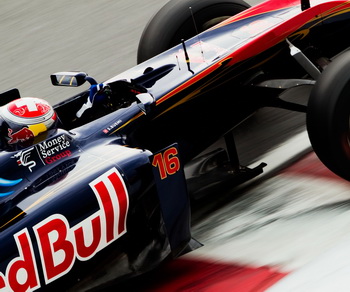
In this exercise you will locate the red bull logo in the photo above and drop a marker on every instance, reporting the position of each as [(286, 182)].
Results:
[(60, 244), (20, 136)]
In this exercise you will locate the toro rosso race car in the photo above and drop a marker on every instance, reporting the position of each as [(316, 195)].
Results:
[(93, 190)]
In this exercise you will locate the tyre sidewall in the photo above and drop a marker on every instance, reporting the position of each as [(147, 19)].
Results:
[(162, 31), (328, 116)]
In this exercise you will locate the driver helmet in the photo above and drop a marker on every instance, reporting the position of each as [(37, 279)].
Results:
[(25, 118)]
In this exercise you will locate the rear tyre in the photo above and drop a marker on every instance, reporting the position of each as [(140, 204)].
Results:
[(329, 114), (174, 22)]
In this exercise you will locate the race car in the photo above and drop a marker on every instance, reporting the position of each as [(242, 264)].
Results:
[(101, 196)]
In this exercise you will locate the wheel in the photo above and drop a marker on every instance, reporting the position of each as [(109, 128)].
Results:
[(174, 22), (328, 116)]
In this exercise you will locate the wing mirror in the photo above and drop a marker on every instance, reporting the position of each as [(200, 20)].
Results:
[(145, 101), (71, 79)]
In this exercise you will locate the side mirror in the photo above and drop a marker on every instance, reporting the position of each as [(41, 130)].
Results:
[(71, 79), (145, 102)]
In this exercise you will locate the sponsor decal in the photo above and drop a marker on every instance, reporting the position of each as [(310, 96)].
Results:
[(24, 158), (22, 135), (112, 127), (51, 159), (47, 152), (53, 147), (60, 244)]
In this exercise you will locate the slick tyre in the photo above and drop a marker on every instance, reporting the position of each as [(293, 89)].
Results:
[(174, 22), (329, 115)]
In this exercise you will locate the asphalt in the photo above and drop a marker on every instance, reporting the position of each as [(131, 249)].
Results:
[(42, 37)]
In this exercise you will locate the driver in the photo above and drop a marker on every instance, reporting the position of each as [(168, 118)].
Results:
[(97, 94), (24, 119)]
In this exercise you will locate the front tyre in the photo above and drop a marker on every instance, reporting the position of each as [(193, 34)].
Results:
[(329, 114), (174, 22)]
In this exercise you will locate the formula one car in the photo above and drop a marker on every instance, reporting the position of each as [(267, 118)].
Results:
[(102, 196)]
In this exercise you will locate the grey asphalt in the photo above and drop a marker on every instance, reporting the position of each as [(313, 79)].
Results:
[(42, 37)]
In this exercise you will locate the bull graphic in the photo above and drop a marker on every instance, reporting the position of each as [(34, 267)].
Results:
[(20, 136)]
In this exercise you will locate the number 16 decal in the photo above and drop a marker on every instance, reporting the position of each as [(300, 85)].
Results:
[(167, 162)]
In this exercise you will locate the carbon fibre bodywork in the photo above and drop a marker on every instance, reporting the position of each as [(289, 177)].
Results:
[(104, 197)]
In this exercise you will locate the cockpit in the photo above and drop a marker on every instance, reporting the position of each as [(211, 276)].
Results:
[(100, 100), (24, 120)]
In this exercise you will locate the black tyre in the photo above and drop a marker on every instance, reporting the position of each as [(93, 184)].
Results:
[(329, 115), (174, 22)]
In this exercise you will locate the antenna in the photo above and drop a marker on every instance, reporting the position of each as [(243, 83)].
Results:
[(194, 21), (197, 33), (186, 56)]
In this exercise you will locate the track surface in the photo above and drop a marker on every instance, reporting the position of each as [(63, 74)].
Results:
[(284, 221), (42, 37)]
